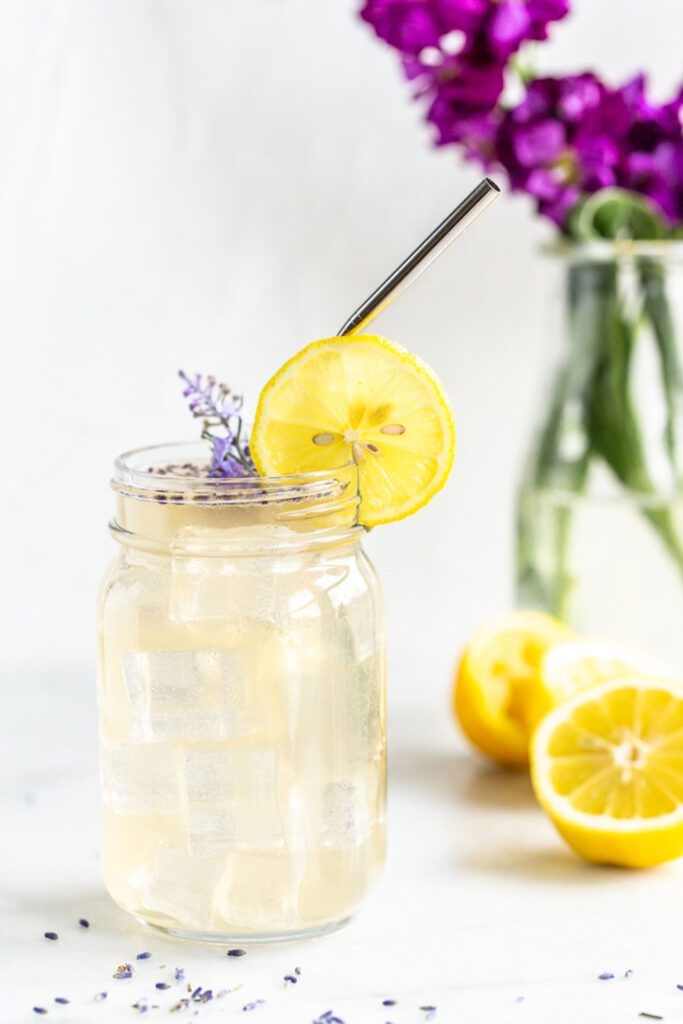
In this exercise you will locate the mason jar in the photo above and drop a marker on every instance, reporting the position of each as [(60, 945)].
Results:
[(242, 700), (600, 510)]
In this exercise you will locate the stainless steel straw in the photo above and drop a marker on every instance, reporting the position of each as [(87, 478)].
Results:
[(427, 251)]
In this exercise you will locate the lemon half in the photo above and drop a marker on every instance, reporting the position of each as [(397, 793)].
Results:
[(578, 665), (607, 766), (496, 686), (362, 398)]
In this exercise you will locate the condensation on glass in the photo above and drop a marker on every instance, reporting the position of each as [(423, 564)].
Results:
[(242, 701)]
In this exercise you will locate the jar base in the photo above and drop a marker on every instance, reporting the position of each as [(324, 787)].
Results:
[(247, 938)]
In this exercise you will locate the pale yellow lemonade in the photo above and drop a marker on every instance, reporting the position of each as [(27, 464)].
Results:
[(242, 690), (241, 701)]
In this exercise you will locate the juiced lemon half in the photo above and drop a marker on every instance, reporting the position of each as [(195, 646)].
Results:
[(361, 398), (607, 766), (496, 685), (578, 665)]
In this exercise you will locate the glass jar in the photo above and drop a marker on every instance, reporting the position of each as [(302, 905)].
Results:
[(242, 701), (600, 513)]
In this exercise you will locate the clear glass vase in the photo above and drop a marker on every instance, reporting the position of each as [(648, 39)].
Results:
[(600, 508)]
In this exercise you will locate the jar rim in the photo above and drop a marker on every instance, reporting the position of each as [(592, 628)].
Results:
[(606, 249), (177, 472)]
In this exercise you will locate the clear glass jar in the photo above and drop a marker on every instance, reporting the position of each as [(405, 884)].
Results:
[(242, 701), (600, 512)]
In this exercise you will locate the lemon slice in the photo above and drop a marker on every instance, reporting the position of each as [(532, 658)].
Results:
[(607, 766), (578, 665), (362, 398), (496, 682)]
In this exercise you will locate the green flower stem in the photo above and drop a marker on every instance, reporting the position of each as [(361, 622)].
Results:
[(656, 307), (594, 403), (612, 419)]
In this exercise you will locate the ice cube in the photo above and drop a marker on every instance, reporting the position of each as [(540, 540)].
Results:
[(260, 891), (176, 695), (232, 799), (180, 887), (208, 778), (210, 832), (139, 779), (346, 817), (256, 804), (357, 624), (209, 787), (214, 590)]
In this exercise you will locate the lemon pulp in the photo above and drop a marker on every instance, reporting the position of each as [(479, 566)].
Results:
[(607, 766)]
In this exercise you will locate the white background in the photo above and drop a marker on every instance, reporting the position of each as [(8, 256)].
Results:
[(211, 185)]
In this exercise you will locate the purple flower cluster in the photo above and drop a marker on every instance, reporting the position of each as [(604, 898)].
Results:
[(572, 136), (567, 137), (497, 27), (458, 51)]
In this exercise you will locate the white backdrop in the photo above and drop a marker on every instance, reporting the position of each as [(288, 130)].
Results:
[(210, 184)]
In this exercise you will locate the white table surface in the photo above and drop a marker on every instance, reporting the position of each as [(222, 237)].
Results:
[(481, 911)]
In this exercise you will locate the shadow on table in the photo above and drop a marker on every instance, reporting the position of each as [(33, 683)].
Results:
[(491, 787), (64, 911), (541, 864), (459, 777), (525, 848)]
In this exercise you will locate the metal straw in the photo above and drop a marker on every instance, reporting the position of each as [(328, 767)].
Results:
[(427, 251)]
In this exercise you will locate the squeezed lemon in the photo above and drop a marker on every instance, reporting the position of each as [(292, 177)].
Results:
[(578, 665), (496, 686)]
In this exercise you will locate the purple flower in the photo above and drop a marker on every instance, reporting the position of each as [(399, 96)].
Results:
[(408, 25), (577, 96), (462, 109), (659, 176), (567, 138), (208, 399), (502, 26), (648, 123), (598, 157), (652, 162), (462, 77), (508, 27), (562, 141), (223, 461), (461, 15), (221, 411), (540, 143), (558, 208)]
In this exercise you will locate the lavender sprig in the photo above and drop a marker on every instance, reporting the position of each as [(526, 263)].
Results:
[(210, 400), (223, 424)]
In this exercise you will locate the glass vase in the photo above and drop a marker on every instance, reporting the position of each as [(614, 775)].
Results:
[(600, 507)]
